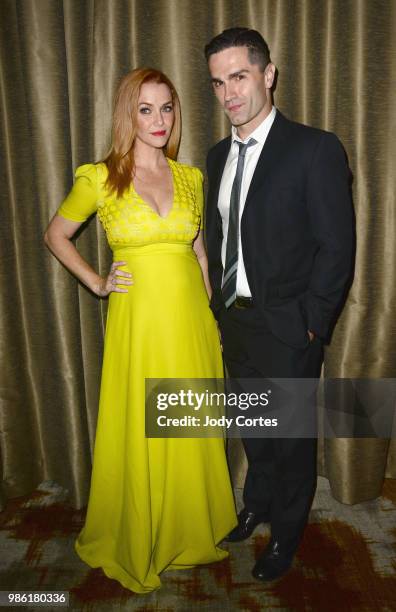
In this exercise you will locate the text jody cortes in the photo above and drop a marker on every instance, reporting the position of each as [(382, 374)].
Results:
[(223, 421)]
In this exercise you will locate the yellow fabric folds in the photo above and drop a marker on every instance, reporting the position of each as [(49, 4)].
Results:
[(155, 504)]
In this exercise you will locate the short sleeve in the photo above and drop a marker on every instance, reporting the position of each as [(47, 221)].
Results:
[(199, 196), (82, 200)]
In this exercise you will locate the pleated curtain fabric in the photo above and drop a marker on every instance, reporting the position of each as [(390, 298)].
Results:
[(59, 65)]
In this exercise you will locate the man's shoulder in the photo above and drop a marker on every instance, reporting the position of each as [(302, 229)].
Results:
[(219, 148), (303, 133), (306, 143)]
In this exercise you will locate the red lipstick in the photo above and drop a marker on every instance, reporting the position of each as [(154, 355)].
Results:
[(161, 133)]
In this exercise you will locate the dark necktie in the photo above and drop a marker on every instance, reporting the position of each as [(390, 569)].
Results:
[(231, 259)]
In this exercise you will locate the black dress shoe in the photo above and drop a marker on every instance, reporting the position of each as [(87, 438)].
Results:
[(247, 523), (273, 563)]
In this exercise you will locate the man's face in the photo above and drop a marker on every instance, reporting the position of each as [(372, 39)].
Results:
[(241, 88)]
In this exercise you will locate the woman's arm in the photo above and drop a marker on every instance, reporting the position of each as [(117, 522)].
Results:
[(200, 252), (58, 239)]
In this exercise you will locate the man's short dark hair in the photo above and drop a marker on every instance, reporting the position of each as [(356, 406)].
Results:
[(241, 37)]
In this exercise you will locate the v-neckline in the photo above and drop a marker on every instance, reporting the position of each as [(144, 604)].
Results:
[(170, 166)]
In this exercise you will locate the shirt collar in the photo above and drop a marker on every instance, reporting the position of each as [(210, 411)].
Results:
[(260, 133)]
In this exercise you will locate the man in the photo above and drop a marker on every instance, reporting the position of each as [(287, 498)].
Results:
[(279, 232)]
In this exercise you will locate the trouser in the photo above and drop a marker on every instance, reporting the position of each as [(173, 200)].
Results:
[(281, 476)]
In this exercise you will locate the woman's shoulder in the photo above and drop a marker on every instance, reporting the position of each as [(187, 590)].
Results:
[(188, 171), (93, 172)]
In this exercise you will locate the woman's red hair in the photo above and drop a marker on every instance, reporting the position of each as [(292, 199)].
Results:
[(120, 160)]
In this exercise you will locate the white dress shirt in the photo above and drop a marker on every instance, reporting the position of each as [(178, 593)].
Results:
[(252, 155)]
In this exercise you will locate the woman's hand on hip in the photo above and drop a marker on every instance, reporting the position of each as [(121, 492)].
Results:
[(115, 278)]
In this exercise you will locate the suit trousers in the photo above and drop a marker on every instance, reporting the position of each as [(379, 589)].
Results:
[(281, 476)]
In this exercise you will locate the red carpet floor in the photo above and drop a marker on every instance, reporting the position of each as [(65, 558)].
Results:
[(347, 561)]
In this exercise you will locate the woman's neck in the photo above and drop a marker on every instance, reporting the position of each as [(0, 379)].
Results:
[(148, 157)]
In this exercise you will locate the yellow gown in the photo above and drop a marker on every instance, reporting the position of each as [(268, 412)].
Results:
[(155, 503)]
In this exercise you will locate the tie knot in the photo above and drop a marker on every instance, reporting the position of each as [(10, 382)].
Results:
[(243, 146)]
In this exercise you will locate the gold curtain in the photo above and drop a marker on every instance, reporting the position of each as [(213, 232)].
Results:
[(60, 63)]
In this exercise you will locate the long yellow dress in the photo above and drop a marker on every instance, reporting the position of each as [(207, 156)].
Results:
[(155, 503)]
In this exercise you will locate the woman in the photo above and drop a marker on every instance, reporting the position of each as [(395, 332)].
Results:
[(154, 504)]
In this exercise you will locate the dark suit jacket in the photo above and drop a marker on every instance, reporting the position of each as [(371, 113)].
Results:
[(296, 230)]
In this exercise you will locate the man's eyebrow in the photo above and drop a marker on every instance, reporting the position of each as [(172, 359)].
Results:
[(232, 75), (238, 72)]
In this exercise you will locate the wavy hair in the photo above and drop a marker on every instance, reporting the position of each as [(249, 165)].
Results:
[(120, 160)]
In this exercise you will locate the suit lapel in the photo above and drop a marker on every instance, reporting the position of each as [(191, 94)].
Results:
[(272, 148), (217, 173)]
